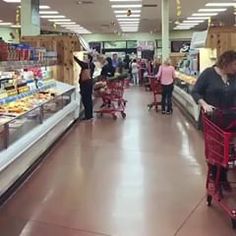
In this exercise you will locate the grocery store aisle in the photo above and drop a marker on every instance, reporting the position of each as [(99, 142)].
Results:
[(143, 176)]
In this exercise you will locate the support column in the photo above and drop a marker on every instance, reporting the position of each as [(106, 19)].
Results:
[(165, 11), (30, 18)]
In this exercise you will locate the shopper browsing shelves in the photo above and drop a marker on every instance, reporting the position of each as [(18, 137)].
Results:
[(86, 85)]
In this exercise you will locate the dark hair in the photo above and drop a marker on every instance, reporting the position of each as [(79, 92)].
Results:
[(134, 60), (109, 60), (90, 57), (226, 58)]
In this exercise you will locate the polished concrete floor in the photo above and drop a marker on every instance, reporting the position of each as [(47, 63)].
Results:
[(143, 176)]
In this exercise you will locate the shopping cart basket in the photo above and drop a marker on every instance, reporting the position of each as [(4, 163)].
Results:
[(113, 99), (156, 89), (220, 152)]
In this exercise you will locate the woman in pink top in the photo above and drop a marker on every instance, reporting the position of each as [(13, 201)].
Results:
[(166, 75)]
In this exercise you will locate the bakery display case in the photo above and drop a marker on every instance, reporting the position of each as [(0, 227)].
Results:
[(182, 94), (20, 115)]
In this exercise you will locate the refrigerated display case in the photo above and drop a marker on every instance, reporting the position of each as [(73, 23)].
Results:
[(30, 122), (182, 94)]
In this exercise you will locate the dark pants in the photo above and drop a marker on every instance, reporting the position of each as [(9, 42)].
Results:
[(86, 90), (166, 102)]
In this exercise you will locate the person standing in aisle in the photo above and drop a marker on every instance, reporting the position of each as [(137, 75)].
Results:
[(166, 75), (134, 70), (108, 70), (86, 85), (216, 88)]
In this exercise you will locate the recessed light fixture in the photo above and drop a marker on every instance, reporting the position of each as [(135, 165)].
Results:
[(53, 16), (204, 14), (48, 12), (219, 4), (212, 9), (127, 6)]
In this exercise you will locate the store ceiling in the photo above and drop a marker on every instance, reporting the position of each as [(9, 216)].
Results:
[(97, 15)]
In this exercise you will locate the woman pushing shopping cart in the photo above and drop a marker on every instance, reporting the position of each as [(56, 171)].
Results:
[(215, 92)]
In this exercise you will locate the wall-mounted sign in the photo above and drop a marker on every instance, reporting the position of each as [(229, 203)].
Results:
[(146, 45), (182, 46), (115, 44)]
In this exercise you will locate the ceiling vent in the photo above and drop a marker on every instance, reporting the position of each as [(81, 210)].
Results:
[(150, 5)]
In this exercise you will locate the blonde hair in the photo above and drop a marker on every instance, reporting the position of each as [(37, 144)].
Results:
[(167, 62)]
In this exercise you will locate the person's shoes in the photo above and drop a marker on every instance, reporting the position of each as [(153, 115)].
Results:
[(168, 113), (163, 112), (227, 186), (87, 119)]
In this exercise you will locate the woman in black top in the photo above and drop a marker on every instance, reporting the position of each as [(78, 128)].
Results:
[(86, 86), (216, 88)]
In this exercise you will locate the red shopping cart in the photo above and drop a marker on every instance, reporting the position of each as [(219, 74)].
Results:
[(220, 152), (113, 99), (156, 89)]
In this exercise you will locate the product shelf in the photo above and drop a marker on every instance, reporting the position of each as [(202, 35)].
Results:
[(6, 66)]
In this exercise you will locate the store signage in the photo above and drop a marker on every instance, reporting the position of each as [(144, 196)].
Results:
[(199, 39), (146, 45)]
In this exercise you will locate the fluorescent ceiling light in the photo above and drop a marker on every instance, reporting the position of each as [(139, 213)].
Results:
[(59, 20), (53, 16), (127, 6), (43, 7), (66, 23), (125, 0), (16, 26), (193, 21), (48, 12), (125, 11), (218, 4), (205, 14), (12, 1), (122, 16), (189, 23), (5, 23), (198, 18), (129, 23), (128, 19), (212, 9)]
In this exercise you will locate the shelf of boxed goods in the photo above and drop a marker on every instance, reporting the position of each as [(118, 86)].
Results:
[(6, 66), (48, 84), (182, 95)]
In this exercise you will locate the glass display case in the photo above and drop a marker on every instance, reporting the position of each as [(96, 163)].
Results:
[(182, 93), (14, 127)]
